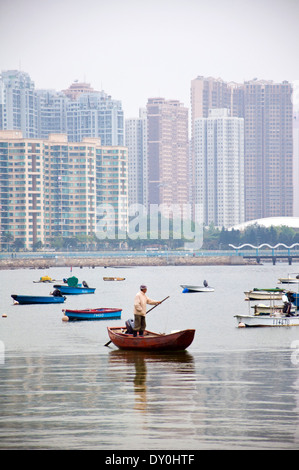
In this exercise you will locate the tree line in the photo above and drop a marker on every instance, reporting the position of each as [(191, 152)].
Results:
[(213, 239)]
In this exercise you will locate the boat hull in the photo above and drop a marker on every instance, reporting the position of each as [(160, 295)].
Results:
[(267, 320), (288, 280), (267, 310), (187, 288), (32, 299), (295, 299), (176, 341), (70, 290), (256, 295), (94, 314)]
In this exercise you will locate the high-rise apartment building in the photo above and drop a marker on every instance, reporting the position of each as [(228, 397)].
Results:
[(95, 115), (79, 111), (112, 187), (167, 122), (18, 106), (21, 188), (219, 168), (136, 142), (69, 186), (52, 187), (51, 113), (296, 163), (268, 119), (267, 111)]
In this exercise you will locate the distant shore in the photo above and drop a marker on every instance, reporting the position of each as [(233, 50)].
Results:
[(61, 261)]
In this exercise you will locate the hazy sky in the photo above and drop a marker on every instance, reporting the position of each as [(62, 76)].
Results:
[(134, 50)]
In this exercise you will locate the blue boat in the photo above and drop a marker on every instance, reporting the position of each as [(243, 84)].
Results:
[(93, 314), (294, 298), (73, 290), (38, 299)]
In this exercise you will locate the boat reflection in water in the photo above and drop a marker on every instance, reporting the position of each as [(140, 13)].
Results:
[(159, 365)]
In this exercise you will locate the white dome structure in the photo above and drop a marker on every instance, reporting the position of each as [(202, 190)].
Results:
[(292, 222)]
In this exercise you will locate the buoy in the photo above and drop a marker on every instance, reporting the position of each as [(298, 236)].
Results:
[(241, 325), (4, 315), (65, 318)]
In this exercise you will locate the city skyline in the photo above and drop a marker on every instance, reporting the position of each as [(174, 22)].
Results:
[(135, 51)]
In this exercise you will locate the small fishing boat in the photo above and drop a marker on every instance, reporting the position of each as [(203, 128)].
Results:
[(73, 290), (268, 309), (188, 288), (174, 341), (38, 299), (114, 278), (275, 319), (289, 280), (264, 294), (93, 314)]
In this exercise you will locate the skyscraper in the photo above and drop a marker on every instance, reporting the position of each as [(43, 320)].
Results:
[(267, 111), (219, 167), (296, 163), (52, 187), (268, 119), (167, 122), (136, 142), (18, 107), (80, 111)]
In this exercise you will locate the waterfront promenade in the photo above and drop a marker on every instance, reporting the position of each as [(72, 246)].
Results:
[(118, 259)]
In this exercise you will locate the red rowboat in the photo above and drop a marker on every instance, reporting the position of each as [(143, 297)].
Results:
[(176, 341)]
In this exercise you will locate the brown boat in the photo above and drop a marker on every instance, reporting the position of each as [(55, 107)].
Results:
[(176, 341)]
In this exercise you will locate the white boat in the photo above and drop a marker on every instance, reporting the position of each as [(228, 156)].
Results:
[(289, 280), (188, 288), (264, 294), (275, 319), (268, 309)]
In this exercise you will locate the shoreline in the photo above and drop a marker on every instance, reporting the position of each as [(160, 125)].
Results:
[(41, 263)]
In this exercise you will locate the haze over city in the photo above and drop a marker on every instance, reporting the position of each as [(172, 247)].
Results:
[(136, 50)]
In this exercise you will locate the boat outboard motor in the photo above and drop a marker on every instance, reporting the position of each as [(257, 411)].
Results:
[(205, 283), (85, 284), (130, 326)]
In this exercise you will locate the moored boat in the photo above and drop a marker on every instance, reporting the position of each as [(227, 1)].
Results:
[(93, 314), (174, 341), (264, 294), (38, 299), (114, 278), (189, 288), (73, 290), (268, 309), (289, 280), (267, 320)]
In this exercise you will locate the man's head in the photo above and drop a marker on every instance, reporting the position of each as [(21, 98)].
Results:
[(143, 288)]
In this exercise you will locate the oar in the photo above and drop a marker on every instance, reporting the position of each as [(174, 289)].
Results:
[(107, 344)]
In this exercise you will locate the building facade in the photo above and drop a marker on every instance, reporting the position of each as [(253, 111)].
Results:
[(219, 168), (167, 146), (136, 142), (18, 103), (21, 189), (78, 111), (52, 187), (268, 142)]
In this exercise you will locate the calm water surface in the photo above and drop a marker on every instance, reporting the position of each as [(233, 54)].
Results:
[(61, 388)]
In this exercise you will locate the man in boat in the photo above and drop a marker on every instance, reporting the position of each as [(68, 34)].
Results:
[(141, 299), (287, 304)]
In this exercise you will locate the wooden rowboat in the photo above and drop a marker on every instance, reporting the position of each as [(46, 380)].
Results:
[(114, 278), (175, 341)]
